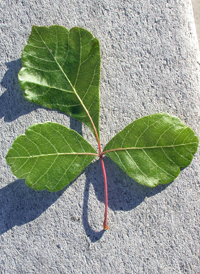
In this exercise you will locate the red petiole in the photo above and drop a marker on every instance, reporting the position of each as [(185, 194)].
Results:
[(105, 226), (102, 164)]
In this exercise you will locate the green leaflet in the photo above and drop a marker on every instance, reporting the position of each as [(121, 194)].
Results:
[(152, 149), (49, 156), (61, 70)]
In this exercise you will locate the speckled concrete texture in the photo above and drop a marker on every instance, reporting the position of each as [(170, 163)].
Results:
[(150, 63), (196, 11)]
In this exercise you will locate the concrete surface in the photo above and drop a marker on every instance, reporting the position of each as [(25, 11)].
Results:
[(149, 64), (196, 11)]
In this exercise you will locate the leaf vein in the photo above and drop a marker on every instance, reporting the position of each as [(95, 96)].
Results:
[(157, 164), (163, 134), (23, 148), (80, 54), (62, 137), (136, 164), (36, 57), (45, 139), (146, 130), (65, 171), (181, 155), (45, 171), (169, 158)]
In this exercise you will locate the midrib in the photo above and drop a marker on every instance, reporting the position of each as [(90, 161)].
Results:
[(73, 88)]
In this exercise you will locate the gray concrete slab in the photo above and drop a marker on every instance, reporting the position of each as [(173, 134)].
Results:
[(149, 64), (196, 10)]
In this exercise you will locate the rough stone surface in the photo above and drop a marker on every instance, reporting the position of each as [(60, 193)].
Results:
[(196, 11), (149, 64)]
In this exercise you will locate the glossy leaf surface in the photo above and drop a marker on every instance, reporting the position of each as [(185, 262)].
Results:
[(152, 149), (61, 70), (49, 156)]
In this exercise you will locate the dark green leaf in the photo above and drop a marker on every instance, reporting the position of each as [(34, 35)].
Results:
[(49, 156), (61, 70), (152, 149)]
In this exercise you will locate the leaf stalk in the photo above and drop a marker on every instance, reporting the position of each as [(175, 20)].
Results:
[(105, 226)]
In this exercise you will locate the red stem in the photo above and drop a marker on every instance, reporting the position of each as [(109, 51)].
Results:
[(105, 226), (103, 168)]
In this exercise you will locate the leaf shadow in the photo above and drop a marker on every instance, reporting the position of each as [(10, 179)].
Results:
[(123, 192), (90, 232), (76, 125), (12, 102), (21, 204)]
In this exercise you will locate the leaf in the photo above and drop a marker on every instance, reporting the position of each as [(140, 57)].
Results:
[(152, 149), (49, 156), (61, 70)]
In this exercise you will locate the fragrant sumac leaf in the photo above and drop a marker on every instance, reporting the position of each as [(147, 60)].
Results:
[(61, 70)]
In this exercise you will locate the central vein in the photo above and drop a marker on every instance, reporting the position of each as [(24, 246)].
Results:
[(74, 90), (54, 154)]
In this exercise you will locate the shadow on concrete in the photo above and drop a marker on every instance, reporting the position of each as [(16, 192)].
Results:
[(21, 204), (12, 102), (123, 192)]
